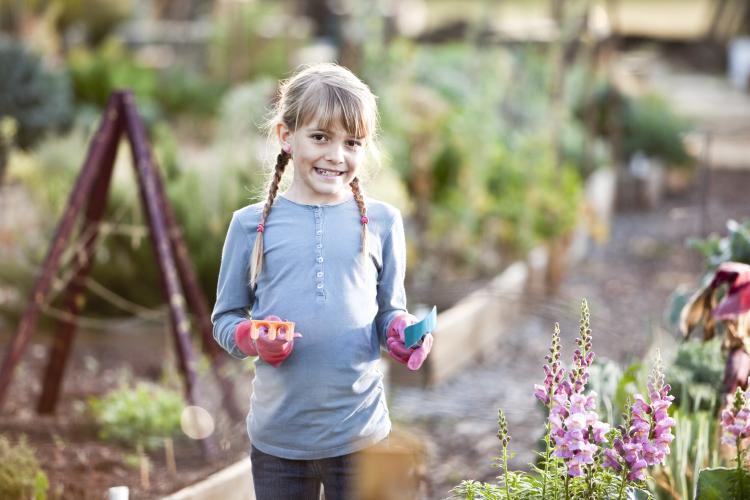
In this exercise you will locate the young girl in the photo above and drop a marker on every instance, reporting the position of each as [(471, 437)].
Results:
[(332, 260)]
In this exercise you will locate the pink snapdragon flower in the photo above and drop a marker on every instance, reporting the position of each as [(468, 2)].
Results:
[(575, 428), (647, 433), (735, 420), (553, 371)]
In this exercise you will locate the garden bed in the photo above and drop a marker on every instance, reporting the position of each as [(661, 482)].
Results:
[(80, 465)]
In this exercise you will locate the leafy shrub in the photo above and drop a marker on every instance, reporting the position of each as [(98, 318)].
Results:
[(735, 246), (650, 125), (175, 91), (21, 477), (96, 18), (35, 98), (181, 91), (695, 375), (646, 123), (254, 39), (142, 415), (96, 73)]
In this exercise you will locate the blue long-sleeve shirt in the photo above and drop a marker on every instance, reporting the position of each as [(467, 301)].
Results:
[(326, 399)]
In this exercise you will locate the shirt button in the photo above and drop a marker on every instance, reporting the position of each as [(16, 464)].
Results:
[(319, 259), (320, 285), (319, 275), (318, 246), (318, 232)]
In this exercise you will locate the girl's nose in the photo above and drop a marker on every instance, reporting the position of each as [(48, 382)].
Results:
[(335, 154)]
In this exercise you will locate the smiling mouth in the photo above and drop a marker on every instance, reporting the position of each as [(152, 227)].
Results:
[(328, 173)]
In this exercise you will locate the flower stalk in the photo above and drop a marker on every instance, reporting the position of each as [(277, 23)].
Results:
[(504, 437)]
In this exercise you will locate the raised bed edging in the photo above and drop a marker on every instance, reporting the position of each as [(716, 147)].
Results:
[(232, 483), (465, 330)]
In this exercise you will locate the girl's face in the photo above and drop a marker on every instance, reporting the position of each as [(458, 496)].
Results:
[(325, 162)]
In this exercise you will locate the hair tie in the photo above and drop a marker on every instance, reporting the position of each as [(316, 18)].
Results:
[(260, 227), (364, 219)]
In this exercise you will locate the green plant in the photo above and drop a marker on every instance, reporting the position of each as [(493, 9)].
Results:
[(21, 477), (180, 91), (96, 73), (254, 39), (695, 446), (473, 154), (696, 373), (139, 415), (176, 91), (651, 126), (730, 484), (735, 246), (645, 123), (34, 99)]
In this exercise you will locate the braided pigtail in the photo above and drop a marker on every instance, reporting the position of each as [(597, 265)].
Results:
[(362, 211), (256, 258)]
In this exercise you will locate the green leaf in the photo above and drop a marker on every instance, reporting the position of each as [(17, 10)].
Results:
[(720, 483), (41, 485), (739, 241), (628, 384), (638, 494)]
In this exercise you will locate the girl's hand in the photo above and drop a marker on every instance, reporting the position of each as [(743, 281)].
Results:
[(273, 352), (414, 357)]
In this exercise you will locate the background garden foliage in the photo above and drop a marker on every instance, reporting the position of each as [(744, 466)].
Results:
[(20, 473), (469, 151)]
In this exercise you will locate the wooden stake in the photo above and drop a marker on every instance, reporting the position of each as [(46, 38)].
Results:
[(145, 468), (169, 456)]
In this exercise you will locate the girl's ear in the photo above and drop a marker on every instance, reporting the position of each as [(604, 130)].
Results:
[(283, 134)]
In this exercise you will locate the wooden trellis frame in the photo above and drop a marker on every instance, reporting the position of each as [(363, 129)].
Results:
[(178, 277)]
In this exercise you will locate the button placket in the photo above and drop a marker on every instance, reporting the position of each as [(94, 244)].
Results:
[(319, 283)]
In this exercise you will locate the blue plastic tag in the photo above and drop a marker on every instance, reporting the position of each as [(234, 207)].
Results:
[(413, 334)]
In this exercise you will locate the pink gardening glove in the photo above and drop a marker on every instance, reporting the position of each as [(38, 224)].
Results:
[(273, 352), (412, 358)]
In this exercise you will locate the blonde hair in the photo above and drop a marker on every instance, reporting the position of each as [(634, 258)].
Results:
[(329, 95)]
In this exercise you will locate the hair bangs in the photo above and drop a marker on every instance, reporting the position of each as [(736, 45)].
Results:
[(329, 107)]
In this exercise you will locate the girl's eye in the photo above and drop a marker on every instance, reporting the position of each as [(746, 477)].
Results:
[(354, 143), (318, 137)]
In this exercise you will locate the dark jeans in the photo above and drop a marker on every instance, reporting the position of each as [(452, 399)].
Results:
[(280, 478)]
